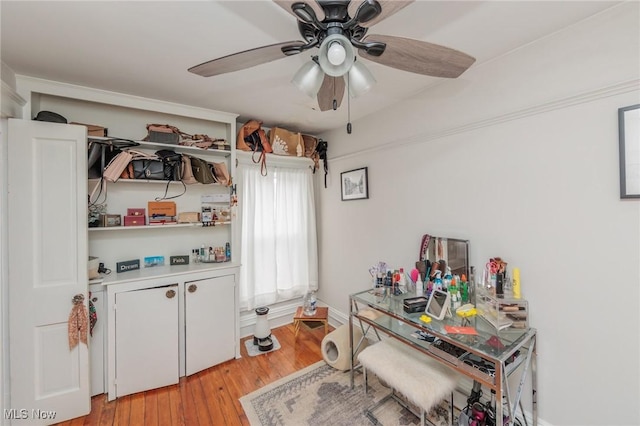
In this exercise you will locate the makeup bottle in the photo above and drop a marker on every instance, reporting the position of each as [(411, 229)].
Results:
[(516, 283), (419, 286), (464, 289), (437, 283)]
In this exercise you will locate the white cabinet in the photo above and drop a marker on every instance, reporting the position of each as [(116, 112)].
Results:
[(146, 326), (209, 339), (173, 322)]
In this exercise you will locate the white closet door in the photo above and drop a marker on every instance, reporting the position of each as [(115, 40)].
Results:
[(47, 211), (146, 339), (209, 322)]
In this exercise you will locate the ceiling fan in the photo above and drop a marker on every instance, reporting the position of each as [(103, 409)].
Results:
[(339, 28)]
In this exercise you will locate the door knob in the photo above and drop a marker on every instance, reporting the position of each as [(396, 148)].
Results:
[(192, 288), (170, 294)]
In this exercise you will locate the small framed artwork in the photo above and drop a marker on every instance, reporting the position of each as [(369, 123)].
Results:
[(629, 139), (354, 184)]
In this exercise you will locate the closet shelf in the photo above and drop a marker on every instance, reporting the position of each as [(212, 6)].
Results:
[(194, 150), (148, 227), (153, 181)]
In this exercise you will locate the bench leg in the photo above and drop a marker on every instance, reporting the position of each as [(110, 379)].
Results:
[(366, 381)]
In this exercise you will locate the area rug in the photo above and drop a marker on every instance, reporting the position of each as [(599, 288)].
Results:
[(321, 395), (253, 350)]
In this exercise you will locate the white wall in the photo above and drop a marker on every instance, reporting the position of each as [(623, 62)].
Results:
[(520, 156)]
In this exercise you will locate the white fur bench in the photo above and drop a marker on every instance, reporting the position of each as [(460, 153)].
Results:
[(420, 379)]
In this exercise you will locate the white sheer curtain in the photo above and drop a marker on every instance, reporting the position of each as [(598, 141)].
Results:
[(279, 253)]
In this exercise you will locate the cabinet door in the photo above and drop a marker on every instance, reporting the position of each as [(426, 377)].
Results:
[(146, 339), (209, 322), (47, 237)]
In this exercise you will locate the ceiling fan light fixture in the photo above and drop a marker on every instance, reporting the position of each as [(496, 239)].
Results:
[(336, 56), (336, 53), (309, 78), (361, 80)]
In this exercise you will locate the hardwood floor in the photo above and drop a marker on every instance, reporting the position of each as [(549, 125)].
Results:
[(210, 397)]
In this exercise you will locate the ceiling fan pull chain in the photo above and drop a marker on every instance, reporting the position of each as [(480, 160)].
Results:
[(348, 104)]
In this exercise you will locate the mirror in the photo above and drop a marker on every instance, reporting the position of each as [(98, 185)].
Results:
[(451, 252)]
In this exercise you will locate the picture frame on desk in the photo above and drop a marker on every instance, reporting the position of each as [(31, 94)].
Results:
[(629, 140), (354, 184)]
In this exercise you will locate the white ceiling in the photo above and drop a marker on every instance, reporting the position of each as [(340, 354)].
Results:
[(144, 48)]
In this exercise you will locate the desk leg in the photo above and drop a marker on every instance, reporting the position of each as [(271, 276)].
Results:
[(534, 382), (351, 343)]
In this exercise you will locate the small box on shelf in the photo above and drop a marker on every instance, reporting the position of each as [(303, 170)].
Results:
[(108, 220), (136, 212), (134, 220), (503, 312), (162, 208)]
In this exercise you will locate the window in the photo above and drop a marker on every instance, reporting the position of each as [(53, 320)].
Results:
[(279, 255)]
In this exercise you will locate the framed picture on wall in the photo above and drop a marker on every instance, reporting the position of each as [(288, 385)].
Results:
[(354, 184), (629, 139)]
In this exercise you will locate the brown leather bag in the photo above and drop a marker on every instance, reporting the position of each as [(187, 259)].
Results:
[(310, 143), (251, 137), (201, 170)]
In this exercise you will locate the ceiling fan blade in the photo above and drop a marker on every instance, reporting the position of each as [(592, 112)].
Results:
[(419, 57), (389, 7), (241, 60), (332, 89), (286, 5)]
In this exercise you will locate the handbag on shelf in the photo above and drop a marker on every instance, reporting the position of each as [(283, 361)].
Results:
[(101, 152), (140, 167), (321, 154), (187, 172), (116, 166), (163, 133), (201, 170), (252, 137), (285, 142), (149, 169), (310, 144), (172, 164), (220, 173)]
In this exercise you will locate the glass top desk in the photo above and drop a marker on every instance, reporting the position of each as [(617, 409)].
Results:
[(506, 350)]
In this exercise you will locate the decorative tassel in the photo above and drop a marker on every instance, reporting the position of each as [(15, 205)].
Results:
[(78, 322)]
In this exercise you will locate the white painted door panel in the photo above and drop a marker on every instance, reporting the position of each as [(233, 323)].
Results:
[(209, 322), (146, 339), (47, 267)]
